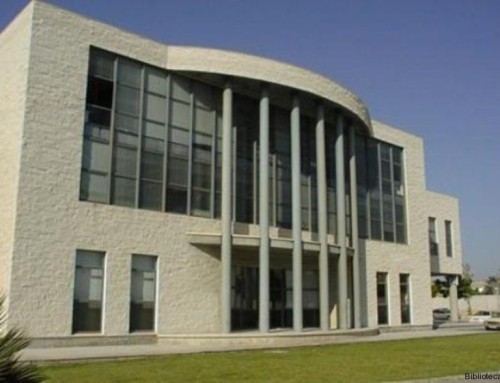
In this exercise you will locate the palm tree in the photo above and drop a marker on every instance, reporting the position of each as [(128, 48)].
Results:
[(12, 370)]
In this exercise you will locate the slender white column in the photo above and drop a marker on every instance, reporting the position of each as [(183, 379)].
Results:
[(453, 282), (341, 223), (354, 228), (322, 219), (296, 216), (264, 212), (227, 122)]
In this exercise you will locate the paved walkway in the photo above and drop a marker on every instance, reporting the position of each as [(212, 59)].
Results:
[(66, 354)]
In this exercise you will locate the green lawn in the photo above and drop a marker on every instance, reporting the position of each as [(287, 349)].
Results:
[(363, 362)]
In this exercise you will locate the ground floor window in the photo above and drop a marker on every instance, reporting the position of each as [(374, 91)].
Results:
[(245, 298), (382, 299), (88, 291), (281, 298), (404, 293), (143, 293), (310, 286)]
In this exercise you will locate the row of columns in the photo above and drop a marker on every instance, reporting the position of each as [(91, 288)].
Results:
[(264, 248)]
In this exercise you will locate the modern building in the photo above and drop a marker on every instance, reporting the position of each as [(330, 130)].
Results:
[(158, 189)]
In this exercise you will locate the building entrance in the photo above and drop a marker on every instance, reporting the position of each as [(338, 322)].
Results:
[(281, 298), (245, 298)]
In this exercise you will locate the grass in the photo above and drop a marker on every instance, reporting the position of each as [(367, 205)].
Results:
[(356, 362)]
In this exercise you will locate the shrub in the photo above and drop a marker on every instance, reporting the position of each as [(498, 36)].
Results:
[(13, 370)]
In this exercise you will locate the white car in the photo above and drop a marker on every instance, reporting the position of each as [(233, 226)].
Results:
[(494, 322), (480, 317)]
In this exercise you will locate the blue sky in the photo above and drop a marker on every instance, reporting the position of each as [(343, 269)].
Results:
[(429, 67)]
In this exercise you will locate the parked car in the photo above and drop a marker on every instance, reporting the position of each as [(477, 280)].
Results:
[(494, 322), (441, 314), (480, 317)]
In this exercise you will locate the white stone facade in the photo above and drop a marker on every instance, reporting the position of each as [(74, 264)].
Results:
[(44, 57)]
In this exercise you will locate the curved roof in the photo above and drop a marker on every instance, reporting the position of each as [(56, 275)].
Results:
[(258, 68)]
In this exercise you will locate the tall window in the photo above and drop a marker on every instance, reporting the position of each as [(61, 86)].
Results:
[(281, 144), (244, 297), (88, 291), (308, 184), (96, 159), (179, 146), (126, 133), (154, 136), (382, 299), (449, 238), (381, 195), (404, 294), (143, 293), (149, 138), (310, 293), (246, 118), (433, 242), (331, 183), (205, 119), (361, 173)]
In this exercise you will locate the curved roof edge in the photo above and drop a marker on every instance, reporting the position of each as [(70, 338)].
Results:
[(222, 62)]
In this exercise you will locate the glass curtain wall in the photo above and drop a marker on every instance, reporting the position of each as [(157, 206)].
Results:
[(154, 135), (308, 179), (347, 177), (246, 120), (179, 145), (381, 194), (95, 176), (361, 173), (281, 148), (203, 144), (331, 174), (151, 139)]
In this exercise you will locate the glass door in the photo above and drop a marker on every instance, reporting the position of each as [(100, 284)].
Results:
[(281, 298), (244, 298)]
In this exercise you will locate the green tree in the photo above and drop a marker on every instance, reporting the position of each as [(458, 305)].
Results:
[(439, 288), (12, 370), (465, 289), (492, 284)]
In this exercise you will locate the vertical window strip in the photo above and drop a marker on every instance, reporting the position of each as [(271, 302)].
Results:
[(234, 160), (449, 238), (112, 130), (164, 187), (213, 166), (393, 195), (139, 139), (143, 293), (256, 181), (190, 151), (381, 194), (433, 241), (392, 229)]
